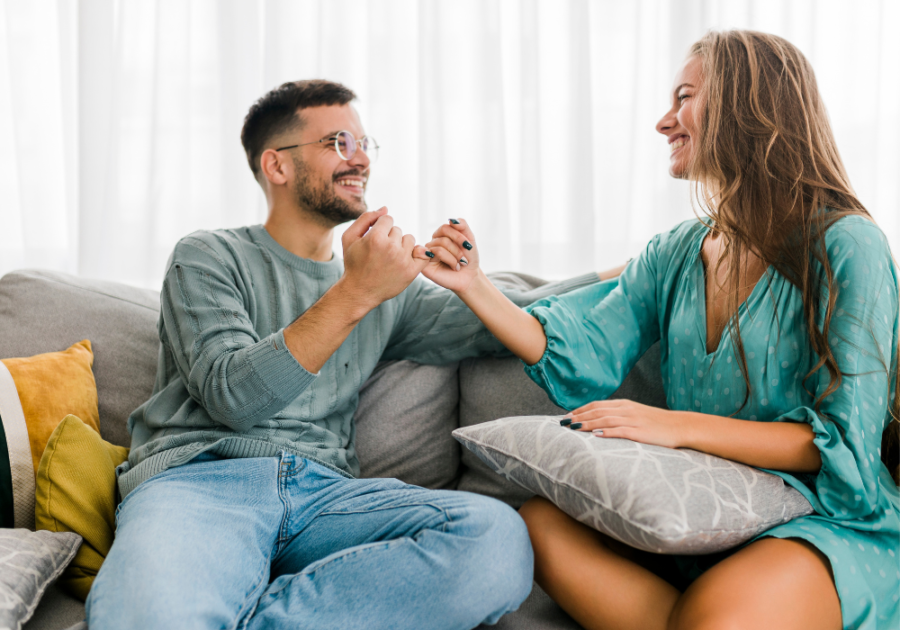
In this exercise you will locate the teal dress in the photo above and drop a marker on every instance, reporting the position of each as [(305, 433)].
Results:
[(596, 334)]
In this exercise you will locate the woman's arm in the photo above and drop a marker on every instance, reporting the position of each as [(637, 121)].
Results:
[(785, 446), (455, 266), (521, 333)]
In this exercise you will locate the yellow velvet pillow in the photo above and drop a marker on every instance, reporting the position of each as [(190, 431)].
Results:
[(35, 394), (76, 492), (50, 387)]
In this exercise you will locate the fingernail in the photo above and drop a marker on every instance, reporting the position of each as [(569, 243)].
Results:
[(467, 244), (577, 425), (454, 221), (565, 422), (463, 261), (429, 254), (597, 431), (457, 266)]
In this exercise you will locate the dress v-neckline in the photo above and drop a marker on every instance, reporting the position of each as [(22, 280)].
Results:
[(701, 280)]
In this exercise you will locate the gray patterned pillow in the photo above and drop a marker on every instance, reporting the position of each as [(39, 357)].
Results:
[(29, 562), (653, 498)]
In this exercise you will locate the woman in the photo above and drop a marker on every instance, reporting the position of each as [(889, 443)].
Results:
[(777, 316)]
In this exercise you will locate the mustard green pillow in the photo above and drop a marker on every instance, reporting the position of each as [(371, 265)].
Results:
[(76, 492), (35, 394)]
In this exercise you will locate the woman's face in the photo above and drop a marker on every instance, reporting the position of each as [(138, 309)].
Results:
[(678, 123)]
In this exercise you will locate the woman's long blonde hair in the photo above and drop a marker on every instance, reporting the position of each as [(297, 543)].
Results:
[(765, 166)]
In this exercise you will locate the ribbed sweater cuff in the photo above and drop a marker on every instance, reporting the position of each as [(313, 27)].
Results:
[(278, 369)]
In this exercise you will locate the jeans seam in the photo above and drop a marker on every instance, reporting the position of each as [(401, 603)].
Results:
[(391, 507), (246, 616), (282, 496), (348, 553)]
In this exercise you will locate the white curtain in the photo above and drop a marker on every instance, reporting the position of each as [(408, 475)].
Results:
[(534, 119)]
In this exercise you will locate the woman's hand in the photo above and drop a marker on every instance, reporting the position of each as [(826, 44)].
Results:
[(630, 420), (455, 262)]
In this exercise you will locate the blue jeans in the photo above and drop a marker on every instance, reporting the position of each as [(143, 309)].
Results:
[(287, 543)]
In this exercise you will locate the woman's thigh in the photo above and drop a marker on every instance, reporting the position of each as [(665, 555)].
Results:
[(772, 583)]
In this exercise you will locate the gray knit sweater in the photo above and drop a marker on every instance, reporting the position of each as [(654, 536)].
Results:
[(227, 384)]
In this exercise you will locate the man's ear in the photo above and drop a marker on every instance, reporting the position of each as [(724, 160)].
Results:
[(275, 167)]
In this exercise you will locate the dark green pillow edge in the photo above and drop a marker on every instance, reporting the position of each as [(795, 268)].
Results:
[(7, 509)]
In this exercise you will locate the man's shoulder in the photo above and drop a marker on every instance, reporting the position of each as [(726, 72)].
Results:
[(224, 246)]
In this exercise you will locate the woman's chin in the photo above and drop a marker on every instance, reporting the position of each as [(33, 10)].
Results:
[(678, 171)]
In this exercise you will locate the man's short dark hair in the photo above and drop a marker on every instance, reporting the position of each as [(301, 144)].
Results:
[(277, 112)]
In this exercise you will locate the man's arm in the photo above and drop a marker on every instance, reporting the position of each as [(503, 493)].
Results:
[(378, 265), (242, 379)]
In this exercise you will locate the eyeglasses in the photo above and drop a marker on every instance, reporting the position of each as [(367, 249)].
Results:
[(345, 145)]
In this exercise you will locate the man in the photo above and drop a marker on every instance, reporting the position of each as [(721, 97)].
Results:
[(241, 506)]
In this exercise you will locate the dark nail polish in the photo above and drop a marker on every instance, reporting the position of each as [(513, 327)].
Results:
[(429, 254), (463, 261), (575, 426), (454, 221), (467, 244), (565, 422)]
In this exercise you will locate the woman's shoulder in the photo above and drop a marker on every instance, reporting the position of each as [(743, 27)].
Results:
[(855, 234), (681, 238)]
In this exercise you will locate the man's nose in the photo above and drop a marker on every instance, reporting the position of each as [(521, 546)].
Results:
[(359, 159)]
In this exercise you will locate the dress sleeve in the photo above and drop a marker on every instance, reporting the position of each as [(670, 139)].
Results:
[(849, 423), (238, 377), (435, 326), (595, 335)]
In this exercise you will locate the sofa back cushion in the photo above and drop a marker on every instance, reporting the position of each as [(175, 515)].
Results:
[(46, 311), (404, 424)]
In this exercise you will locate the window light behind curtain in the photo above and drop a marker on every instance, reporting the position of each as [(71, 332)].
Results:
[(120, 120)]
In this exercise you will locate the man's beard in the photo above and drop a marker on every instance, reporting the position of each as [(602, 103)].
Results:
[(323, 202)]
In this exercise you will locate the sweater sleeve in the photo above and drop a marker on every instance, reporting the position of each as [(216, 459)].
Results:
[(597, 334), (852, 481), (239, 378), (435, 326)]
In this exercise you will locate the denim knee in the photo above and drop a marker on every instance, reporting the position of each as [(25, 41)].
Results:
[(502, 551)]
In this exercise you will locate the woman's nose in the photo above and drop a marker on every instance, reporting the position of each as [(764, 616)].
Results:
[(666, 123)]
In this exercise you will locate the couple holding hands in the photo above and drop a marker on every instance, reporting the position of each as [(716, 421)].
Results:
[(241, 503)]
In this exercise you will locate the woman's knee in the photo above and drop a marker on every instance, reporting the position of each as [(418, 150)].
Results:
[(690, 614)]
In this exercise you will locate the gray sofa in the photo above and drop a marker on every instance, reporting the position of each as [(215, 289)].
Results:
[(406, 413)]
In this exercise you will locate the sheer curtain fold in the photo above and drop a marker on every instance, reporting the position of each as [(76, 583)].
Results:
[(534, 119)]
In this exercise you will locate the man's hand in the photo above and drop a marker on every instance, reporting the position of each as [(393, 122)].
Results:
[(379, 261)]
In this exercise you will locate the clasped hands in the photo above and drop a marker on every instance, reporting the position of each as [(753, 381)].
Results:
[(380, 261)]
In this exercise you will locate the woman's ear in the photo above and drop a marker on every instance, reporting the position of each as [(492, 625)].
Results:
[(275, 167)]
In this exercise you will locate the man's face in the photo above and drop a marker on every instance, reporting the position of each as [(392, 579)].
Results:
[(325, 184)]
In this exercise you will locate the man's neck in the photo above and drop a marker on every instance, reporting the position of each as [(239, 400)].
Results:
[(300, 235)]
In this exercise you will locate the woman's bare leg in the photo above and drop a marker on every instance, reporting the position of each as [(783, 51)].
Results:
[(772, 583), (596, 585)]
